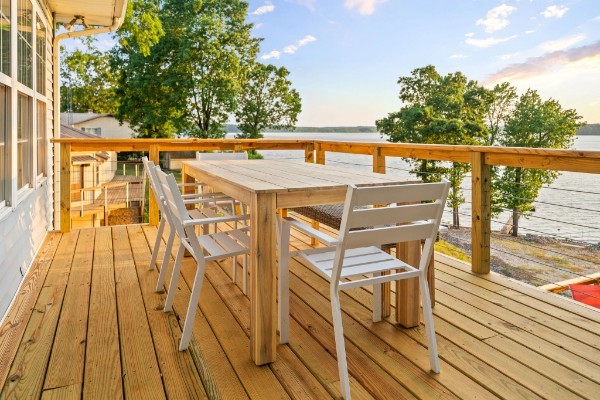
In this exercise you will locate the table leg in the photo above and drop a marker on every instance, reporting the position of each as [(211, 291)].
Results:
[(407, 290), (185, 178), (263, 308)]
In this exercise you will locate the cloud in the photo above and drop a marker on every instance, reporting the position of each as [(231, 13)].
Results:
[(597, 18), (273, 54), (546, 64), (365, 7), (292, 48), (491, 41), (310, 4), (529, 31), (470, 34), (562, 43), (458, 56), (506, 57), (258, 26), (554, 11), (497, 18), (264, 9)]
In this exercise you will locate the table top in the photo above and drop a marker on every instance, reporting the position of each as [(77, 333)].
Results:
[(277, 176)]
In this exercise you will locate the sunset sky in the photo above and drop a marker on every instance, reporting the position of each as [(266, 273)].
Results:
[(345, 56)]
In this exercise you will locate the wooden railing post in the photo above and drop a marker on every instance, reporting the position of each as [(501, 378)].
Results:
[(319, 155), (309, 153), (65, 187), (481, 214), (378, 161), (153, 214)]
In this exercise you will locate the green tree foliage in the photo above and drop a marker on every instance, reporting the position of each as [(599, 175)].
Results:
[(439, 109), (87, 82), (208, 49), (533, 123), (266, 101)]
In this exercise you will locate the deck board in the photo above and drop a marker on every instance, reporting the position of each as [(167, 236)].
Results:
[(97, 330)]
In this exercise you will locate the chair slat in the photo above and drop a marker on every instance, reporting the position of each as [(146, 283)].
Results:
[(393, 234), (241, 236), (231, 245), (393, 215), (412, 193), (211, 246)]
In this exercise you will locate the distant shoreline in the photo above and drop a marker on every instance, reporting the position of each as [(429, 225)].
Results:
[(587, 130)]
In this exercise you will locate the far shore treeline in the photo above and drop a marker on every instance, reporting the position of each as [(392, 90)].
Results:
[(586, 130)]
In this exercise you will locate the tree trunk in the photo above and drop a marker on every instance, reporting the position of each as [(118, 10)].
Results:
[(515, 219), (455, 217)]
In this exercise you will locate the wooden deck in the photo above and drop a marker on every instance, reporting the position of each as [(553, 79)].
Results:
[(87, 323)]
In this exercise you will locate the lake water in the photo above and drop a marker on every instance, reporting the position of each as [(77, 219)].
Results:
[(573, 212)]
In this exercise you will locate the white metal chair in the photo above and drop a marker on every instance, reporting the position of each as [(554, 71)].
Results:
[(209, 200), (231, 156), (356, 253), (204, 248)]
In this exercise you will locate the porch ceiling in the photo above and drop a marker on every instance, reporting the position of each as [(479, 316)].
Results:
[(96, 12)]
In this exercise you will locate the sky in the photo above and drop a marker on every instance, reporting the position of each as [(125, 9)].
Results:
[(345, 56)]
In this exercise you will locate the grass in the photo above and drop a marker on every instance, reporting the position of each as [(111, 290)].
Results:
[(450, 250)]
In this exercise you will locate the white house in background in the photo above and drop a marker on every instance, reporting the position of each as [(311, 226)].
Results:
[(103, 125), (29, 79)]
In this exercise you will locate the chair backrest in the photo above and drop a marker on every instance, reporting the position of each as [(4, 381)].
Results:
[(149, 168), (222, 156), (398, 213)]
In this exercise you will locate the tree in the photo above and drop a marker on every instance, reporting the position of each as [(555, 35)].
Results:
[(267, 100), (87, 82), (438, 110), (533, 123), (208, 49), (144, 99)]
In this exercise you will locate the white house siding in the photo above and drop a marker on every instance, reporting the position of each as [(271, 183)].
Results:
[(111, 129), (24, 227), (22, 232)]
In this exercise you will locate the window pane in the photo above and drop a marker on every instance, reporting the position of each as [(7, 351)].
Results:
[(5, 37), (40, 44), (3, 137), (41, 138), (24, 142), (24, 43)]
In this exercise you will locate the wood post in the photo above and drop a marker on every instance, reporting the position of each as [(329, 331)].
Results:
[(407, 290), (153, 216), (319, 155), (65, 187), (378, 161), (309, 153), (481, 214)]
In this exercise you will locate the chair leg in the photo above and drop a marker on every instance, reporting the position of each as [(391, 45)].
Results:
[(174, 279), (234, 271), (377, 296), (159, 233), (283, 286), (192, 307), (429, 328), (245, 272), (339, 344), (165, 263)]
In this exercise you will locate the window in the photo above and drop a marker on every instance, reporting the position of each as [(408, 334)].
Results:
[(41, 138), (24, 141), (24, 43), (40, 43), (5, 37), (4, 114)]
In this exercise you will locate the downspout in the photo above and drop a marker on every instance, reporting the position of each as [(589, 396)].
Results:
[(56, 102)]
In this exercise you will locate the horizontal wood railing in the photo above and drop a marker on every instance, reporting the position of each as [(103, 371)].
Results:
[(480, 158)]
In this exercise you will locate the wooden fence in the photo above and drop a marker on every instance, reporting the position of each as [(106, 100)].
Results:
[(480, 158)]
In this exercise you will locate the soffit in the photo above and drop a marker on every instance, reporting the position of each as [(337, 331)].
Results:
[(96, 12)]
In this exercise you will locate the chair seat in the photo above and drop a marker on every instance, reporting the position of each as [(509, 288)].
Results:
[(224, 244), (360, 261)]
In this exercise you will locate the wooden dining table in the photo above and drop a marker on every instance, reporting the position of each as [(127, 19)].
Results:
[(266, 186)]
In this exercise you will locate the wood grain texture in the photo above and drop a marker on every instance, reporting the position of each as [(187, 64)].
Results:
[(14, 323), (65, 187), (68, 351), (141, 375), (26, 376), (103, 373), (481, 226)]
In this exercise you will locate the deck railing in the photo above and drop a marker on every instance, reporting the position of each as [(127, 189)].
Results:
[(481, 158)]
